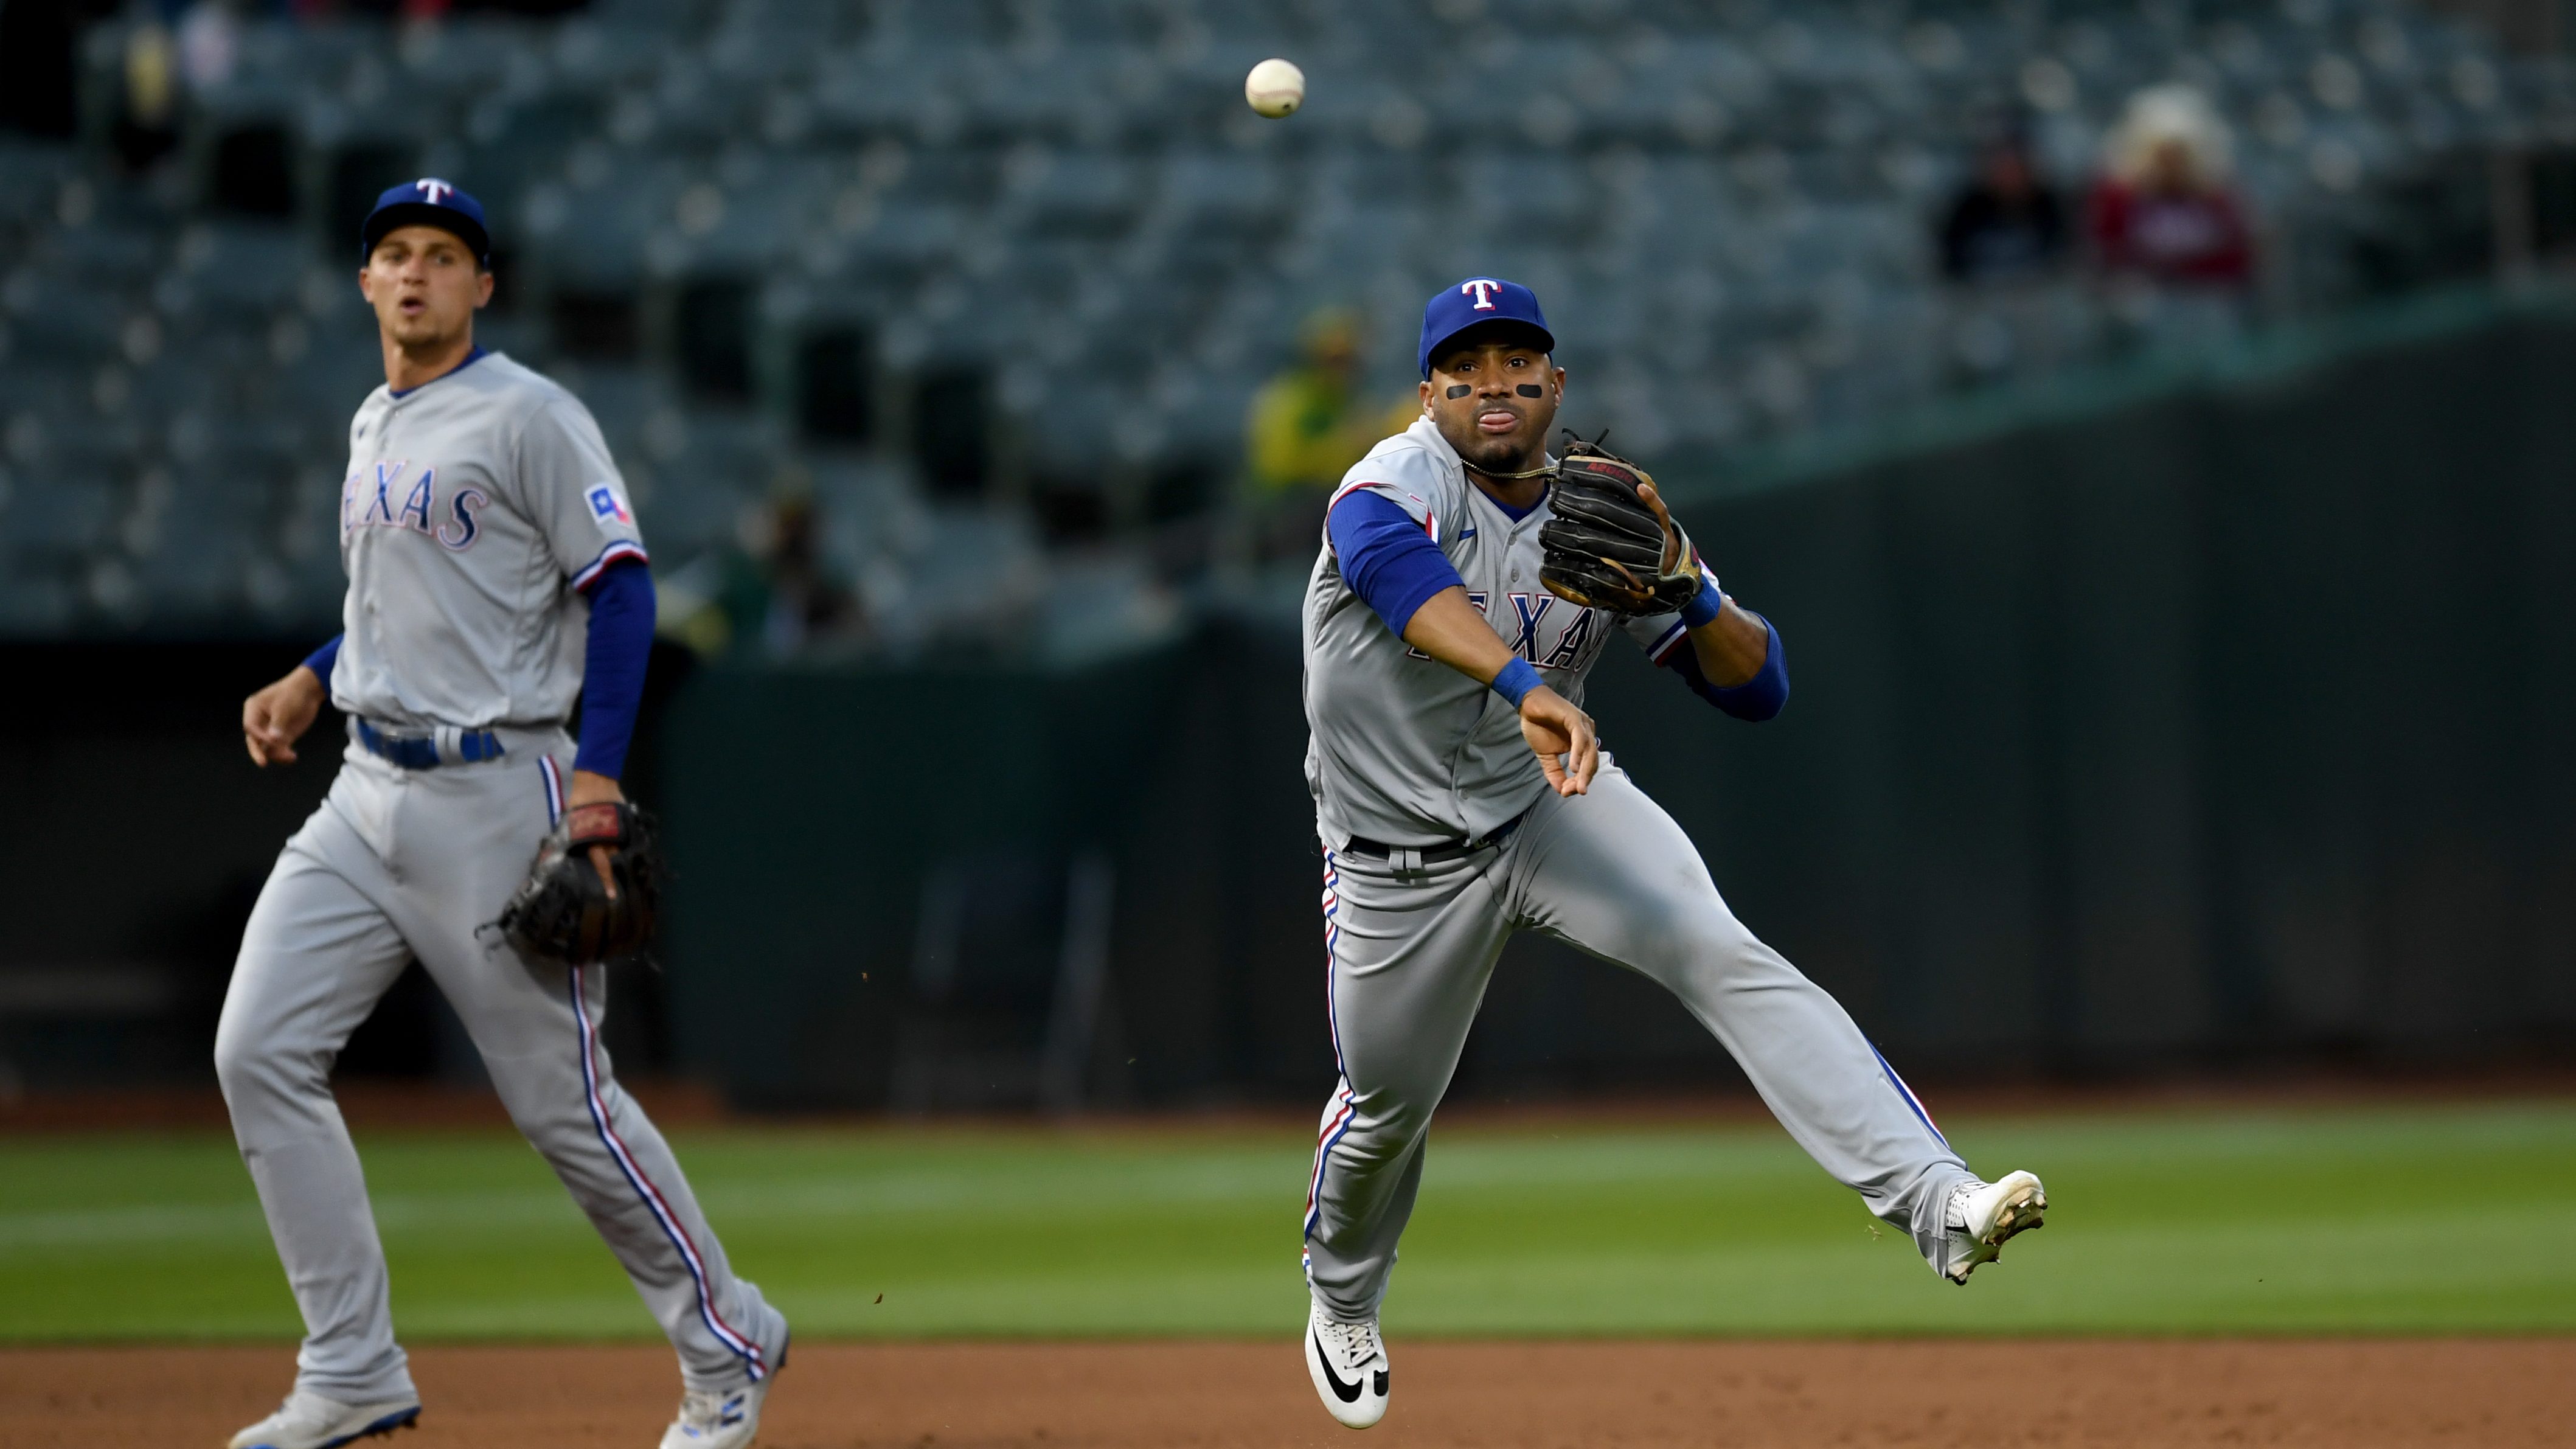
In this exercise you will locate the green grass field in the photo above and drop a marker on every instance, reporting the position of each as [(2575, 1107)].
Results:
[(2381, 1220)]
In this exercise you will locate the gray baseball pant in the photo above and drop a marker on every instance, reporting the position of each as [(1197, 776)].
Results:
[(398, 864), (1609, 872)]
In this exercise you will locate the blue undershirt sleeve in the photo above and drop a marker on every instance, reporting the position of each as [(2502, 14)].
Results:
[(1387, 558), (321, 660), (1756, 699), (613, 660)]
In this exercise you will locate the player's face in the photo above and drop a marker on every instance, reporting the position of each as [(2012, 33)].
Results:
[(424, 286), (1494, 401)]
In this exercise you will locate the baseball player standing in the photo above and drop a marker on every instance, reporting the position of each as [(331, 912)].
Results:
[(1461, 795), (495, 571)]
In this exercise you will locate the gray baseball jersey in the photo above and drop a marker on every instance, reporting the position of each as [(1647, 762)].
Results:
[(475, 509), (1406, 755), (1405, 750)]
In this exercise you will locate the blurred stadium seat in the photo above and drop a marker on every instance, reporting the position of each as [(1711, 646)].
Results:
[(1041, 252)]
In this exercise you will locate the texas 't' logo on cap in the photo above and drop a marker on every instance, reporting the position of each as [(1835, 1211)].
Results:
[(430, 201), (1478, 301)]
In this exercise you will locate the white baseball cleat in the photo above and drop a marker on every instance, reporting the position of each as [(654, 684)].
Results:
[(310, 1421), (723, 1418), (1348, 1364), (720, 1420), (1982, 1215)]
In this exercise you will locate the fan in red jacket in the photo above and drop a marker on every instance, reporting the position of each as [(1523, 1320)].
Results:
[(2164, 210)]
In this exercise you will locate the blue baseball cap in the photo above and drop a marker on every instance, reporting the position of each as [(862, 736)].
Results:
[(1474, 302), (427, 202)]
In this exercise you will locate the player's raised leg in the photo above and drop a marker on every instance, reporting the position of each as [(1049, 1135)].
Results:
[(1408, 959), (536, 1024), (1610, 872), (316, 956)]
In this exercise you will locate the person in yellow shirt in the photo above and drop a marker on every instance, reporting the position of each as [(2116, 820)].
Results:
[(1306, 427)]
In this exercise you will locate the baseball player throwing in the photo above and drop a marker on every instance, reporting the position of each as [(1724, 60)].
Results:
[(495, 571), (1466, 585)]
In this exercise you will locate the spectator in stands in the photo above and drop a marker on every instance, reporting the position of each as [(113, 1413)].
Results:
[(1307, 427), (775, 596), (1305, 431), (2163, 211), (2007, 222), (210, 43), (147, 128)]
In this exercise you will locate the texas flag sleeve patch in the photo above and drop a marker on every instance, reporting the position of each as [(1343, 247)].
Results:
[(606, 506)]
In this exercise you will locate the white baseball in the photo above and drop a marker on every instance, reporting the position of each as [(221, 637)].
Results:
[(1275, 88)]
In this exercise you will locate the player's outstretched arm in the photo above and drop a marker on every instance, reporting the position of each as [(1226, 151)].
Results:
[(1449, 629), (1734, 660), (1731, 644), (1732, 647), (276, 717)]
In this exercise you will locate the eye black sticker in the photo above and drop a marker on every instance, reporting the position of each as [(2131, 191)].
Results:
[(1458, 390), (1530, 389)]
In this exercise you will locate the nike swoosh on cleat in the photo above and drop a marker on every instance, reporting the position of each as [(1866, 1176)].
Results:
[(1348, 1393)]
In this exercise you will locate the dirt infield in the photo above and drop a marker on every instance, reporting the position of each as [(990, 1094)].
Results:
[(2494, 1393)]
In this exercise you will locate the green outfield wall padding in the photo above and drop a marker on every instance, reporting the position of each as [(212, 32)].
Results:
[(2231, 723)]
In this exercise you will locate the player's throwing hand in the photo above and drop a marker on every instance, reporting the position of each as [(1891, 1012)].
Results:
[(1562, 737)]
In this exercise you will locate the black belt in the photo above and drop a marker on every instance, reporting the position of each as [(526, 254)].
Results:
[(1367, 849)]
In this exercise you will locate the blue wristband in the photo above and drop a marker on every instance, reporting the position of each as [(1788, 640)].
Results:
[(1516, 681), (323, 660), (1705, 604)]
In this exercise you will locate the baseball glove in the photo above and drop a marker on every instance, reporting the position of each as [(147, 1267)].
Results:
[(562, 911), (1607, 547)]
